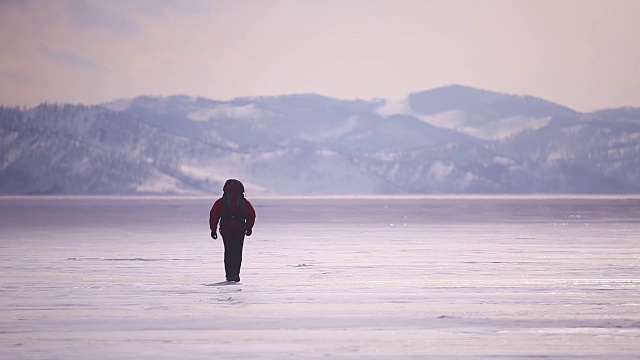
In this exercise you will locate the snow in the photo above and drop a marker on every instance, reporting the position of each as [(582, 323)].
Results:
[(215, 138), (440, 171), (503, 161), (458, 120), (160, 182), (558, 155), (229, 111), (477, 277), (349, 126), (497, 129), (8, 137), (197, 171), (623, 139), (10, 157), (119, 105), (452, 119), (507, 127), (81, 166), (395, 107)]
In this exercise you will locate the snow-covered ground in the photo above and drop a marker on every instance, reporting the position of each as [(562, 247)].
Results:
[(335, 278)]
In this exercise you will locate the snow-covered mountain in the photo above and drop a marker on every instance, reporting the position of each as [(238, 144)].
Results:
[(453, 139)]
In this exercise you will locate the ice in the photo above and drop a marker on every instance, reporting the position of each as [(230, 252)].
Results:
[(454, 278)]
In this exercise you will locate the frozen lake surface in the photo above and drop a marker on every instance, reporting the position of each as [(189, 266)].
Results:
[(333, 278)]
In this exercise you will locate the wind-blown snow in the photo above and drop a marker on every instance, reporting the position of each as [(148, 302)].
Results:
[(507, 127), (349, 125), (395, 107), (458, 120), (339, 278), (119, 105), (159, 183), (440, 171), (490, 130), (229, 111), (453, 119)]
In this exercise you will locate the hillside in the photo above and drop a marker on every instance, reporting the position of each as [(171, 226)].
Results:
[(447, 140)]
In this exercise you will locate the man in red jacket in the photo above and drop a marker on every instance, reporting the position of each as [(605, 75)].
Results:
[(236, 217)]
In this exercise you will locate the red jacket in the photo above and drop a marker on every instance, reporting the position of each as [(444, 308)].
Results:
[(216, 213)]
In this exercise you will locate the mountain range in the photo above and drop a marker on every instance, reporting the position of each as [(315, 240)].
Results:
[(453, 139)]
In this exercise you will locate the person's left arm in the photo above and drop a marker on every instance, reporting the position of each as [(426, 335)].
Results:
[(251, 217)]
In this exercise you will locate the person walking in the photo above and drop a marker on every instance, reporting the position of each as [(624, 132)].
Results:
[(236, 218)]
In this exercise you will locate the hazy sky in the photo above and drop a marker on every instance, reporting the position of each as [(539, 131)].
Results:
[(584, 54)]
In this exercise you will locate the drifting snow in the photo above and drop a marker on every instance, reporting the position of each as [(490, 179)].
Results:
[(440, 171), (320, 136), (458, 120), (494, 129), (160, 183), (395, 107), (227, 111)]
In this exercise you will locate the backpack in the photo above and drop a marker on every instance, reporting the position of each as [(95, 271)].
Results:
[(233, 216)]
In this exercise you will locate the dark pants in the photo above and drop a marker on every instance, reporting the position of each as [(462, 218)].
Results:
[(233, 255)]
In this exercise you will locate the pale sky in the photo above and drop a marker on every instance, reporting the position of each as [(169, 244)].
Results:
[(584, 54)]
